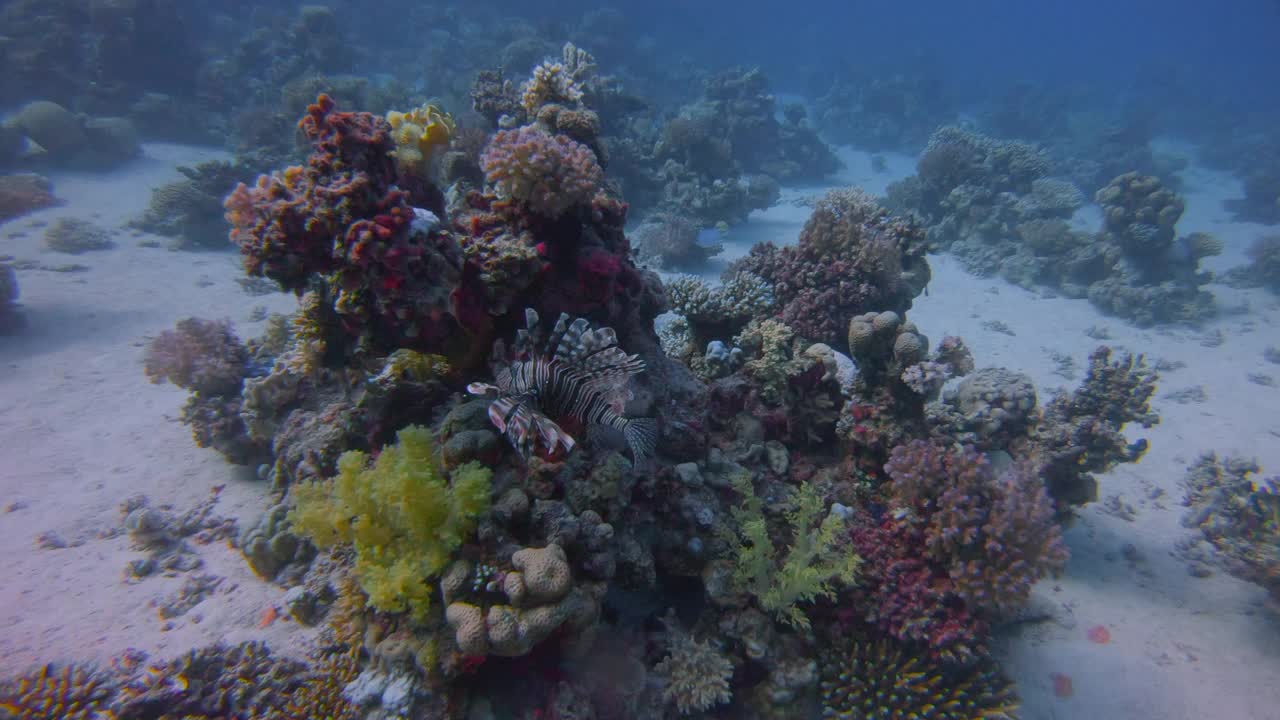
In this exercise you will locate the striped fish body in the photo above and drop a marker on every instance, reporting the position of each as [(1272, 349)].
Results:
[(583, 378)]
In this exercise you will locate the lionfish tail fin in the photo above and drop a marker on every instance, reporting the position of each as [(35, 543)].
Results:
[(642, 437)]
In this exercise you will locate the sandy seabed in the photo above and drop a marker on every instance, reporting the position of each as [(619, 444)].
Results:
[(81, 430)]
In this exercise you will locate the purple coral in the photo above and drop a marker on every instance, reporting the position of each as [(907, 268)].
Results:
[(547, 173), (203, 356), (995, 536)]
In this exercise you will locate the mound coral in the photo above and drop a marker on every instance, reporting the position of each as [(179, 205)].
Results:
[(75, 236), (403, 513), (883, 680), (853, 256), (548, 173)]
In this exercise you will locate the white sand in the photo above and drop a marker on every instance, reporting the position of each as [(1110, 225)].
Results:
[(82, 430)]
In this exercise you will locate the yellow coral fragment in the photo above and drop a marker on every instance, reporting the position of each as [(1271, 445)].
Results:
[(418, 134)]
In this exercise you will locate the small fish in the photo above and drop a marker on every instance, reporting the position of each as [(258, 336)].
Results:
[(580, 373)]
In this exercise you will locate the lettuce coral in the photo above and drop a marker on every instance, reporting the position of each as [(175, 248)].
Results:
[(403, 513)]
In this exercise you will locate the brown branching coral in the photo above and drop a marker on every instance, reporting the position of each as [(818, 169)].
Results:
[(1080, 434), (696, 673)]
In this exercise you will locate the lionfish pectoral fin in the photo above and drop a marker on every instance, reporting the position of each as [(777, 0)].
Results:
[(642, 437)]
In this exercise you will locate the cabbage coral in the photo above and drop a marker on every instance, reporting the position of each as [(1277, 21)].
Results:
[(404, 514)]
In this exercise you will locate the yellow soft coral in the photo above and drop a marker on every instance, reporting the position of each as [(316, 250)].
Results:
[(404, 514), (418, 133)]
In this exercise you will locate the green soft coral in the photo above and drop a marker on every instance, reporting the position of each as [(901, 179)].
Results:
[(405, 516), (815, 559)]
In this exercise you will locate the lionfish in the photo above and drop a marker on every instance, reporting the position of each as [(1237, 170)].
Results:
[(578, 373)]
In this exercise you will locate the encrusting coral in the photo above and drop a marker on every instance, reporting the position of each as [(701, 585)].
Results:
[(403, 513)]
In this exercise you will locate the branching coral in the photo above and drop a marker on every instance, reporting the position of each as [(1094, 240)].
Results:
[(995, 536), (884, 680), (1080, 434), (817, 558), (404, 515), (852, 257), (548, 173), (203, 356), (1239, 516), (697, 675), (65, 692)]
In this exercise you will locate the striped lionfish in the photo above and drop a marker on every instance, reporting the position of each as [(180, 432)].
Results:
[(579, 373)]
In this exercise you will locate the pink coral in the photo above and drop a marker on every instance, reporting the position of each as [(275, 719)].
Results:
[(547, 173), (994, 536)]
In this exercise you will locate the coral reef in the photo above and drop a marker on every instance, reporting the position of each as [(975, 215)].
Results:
[(671, 242), (73, 692), (1263, 269), (992, 204), (203, 356)]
